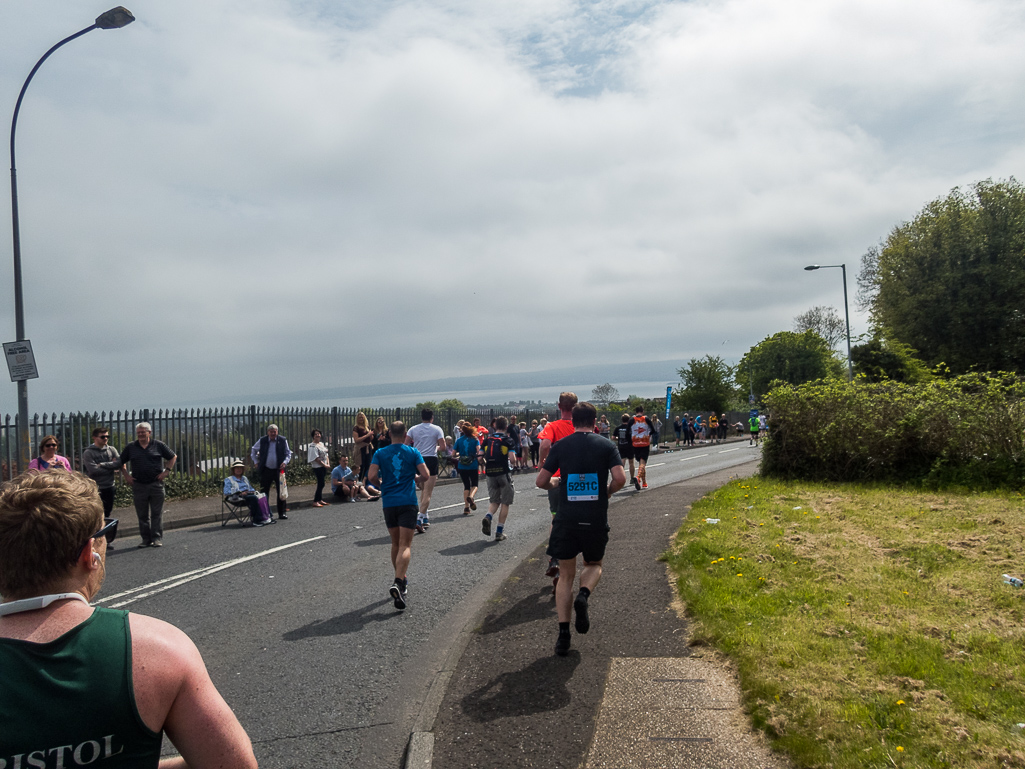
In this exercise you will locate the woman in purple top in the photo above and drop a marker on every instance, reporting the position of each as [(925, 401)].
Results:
[(48, 457)]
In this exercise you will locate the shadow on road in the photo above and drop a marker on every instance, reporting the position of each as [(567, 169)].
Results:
[(372, 542), (350, 622), (477, 546), (537, 606), (538, 688)]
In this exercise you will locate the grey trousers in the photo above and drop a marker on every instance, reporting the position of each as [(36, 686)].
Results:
[(149, 506)]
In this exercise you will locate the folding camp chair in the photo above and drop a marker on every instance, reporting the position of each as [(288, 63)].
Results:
[(234, 508)]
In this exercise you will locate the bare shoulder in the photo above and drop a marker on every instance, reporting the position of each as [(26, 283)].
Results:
[(154, 636)]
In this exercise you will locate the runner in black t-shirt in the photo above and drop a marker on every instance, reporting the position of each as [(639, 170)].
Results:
[(585, 461), (625, 444)]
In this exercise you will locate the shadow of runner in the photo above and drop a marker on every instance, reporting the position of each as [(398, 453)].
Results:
[(477, 546), (537, 606), (350, 622), (371, 542), (538, 688)]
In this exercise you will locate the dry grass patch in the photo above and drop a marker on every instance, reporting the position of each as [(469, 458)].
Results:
[(869, 626)]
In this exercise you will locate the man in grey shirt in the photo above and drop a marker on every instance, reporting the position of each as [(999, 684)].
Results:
[(146, 457), (100, 462)]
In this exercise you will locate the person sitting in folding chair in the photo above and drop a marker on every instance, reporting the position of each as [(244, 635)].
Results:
[(239, 490)]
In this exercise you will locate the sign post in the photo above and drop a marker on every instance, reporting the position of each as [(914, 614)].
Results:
[(21, 363)]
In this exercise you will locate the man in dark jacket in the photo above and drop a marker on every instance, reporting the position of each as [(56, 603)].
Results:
[(270, 456), (147, 457), (100, 462)]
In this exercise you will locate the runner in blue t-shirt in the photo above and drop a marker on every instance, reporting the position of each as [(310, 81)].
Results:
[(397, 470)]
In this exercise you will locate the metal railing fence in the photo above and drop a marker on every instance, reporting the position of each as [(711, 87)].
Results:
[(207, 441)]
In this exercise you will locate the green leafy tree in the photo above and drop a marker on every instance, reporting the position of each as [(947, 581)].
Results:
[(787, 357), (451, 403), (879, 359), (950, 282), (707, 384)]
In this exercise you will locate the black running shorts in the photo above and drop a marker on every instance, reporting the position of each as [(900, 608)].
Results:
[(567, 541), (469, 478), (403, 515), (432, 465), (626, 452), (641, 453)]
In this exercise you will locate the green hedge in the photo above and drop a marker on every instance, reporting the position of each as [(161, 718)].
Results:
[(964, 431)]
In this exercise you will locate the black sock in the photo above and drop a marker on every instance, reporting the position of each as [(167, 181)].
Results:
[(563, 628), (585, 592)]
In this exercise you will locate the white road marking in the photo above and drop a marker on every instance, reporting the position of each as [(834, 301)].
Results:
[(698, 456), (659, 464), (727, 451), (181, 579), (446, 507)]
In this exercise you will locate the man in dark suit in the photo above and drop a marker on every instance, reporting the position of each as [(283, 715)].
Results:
[(270, 455)]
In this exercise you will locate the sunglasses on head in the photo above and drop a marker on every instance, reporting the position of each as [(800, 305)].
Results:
[(108, 531)]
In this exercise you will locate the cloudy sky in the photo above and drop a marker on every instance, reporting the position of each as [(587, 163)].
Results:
[(229, 198)]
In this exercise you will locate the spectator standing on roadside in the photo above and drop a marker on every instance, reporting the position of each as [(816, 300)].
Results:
[(604, 428), (318, 458), (100, 462), (397, 469), (271, 456), (523, 453), (467, 448), (678, 429), (657, 431), (428, 439), (724, 428), (84, 684), (581, 525), (497, 450), (48, 458), (535, 442), (146, 457), (363, 445)]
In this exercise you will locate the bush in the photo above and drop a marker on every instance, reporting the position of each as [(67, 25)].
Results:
[(966, 431)]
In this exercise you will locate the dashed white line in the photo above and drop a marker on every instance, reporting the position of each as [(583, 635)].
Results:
[(727, 451), (167, 583), (697, 456), (657, 464)]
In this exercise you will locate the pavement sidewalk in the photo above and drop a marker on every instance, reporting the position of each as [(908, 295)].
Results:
[(630, 694)]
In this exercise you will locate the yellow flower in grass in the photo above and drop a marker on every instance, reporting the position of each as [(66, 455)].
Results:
[(900, 702), (740, 575), (900, 749)]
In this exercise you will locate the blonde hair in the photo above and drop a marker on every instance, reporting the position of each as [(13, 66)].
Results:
[(45, 521), (361, 420)]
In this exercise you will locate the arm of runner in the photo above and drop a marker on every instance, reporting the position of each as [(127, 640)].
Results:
[(618, 479), (546, 446), (544, 479), (422, 473), (372, 474), (172, 686)]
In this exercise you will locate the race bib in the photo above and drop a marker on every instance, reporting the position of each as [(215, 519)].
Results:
[(581, 487)]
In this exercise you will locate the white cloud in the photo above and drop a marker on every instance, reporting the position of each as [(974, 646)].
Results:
[(334, 188)]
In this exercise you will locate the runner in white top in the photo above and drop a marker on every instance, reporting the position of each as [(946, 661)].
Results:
[(426, 438)]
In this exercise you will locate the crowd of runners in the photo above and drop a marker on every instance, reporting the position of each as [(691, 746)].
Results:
[(578, 458)]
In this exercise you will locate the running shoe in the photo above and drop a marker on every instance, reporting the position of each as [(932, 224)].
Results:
[(553, 568), (583, 622), (499, 536), (644, 485), (419, 528), (562, 644), (473, 504), (466, 511), (427, 523), (636, 483), (485, 526), (395, 591)]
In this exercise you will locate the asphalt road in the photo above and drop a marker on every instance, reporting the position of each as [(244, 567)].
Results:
[(296, 626)]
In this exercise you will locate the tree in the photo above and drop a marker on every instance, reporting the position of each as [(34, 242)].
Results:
[(787, 357), (880, 358), (950, 283), (603, 395), (824, 321), (707, 384), (451, 403)]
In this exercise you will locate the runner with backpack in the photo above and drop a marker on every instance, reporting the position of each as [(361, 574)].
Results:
[(641, 430), (497, 448)]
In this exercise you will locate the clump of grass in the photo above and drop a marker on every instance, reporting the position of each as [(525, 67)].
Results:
[(869, 626)]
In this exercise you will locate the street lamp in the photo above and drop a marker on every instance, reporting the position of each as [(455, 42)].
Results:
[(847, 315), (115, 18)]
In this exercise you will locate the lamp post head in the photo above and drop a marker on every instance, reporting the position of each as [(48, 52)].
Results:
[(812, 267), (115, 18)]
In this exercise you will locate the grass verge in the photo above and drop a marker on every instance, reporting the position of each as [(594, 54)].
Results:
[(870, 627)]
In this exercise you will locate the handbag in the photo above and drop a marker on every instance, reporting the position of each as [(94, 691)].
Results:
[(264, 506), (283, 494)]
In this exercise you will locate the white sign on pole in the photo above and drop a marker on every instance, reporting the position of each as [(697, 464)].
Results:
[(21, 363)]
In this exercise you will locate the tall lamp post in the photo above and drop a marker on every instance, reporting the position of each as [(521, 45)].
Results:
[(847, 315), (115, 18)]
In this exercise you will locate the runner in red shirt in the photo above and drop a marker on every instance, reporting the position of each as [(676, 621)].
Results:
[(553, 432)]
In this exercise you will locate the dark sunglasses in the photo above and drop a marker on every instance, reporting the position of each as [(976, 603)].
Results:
[(104, 437), (109, 530), (49, 445)]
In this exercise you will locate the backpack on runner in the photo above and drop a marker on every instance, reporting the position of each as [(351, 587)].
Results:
[(496, 449), (640, 433)]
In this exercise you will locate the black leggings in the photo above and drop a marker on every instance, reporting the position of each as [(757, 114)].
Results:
[(469, 478), (319, 472), (535, 448)]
